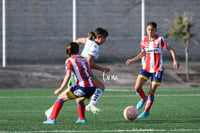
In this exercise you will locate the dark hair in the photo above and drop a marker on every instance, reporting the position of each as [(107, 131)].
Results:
[(99, 32), (72, 48), (153, 24)]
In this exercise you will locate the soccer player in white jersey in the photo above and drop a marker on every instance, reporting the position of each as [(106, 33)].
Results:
[(91, 53), (152, 46), (84, 88)]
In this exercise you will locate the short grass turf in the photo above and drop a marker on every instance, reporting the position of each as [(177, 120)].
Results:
[(174, 110)]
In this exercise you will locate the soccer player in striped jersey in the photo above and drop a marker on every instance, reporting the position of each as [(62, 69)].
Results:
[(152, 46), (91, 53), (84, 88)]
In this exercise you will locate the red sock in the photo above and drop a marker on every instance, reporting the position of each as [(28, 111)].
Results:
[(81, 110), (150, 101), (56, 109), (141, 94)]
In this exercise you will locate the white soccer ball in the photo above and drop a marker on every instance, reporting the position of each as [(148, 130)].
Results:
[(130, 113)]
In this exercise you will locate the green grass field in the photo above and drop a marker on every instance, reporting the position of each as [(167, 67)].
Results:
[(174, 110)]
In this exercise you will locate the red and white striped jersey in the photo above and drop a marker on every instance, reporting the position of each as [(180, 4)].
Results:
[(154, 60), (81, 70)]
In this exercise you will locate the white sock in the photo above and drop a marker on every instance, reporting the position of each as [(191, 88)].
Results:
[(50, 109), (96, 96)]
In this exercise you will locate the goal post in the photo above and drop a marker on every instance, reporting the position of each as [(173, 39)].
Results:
[(74, 20), (142, 25), (3, 33)]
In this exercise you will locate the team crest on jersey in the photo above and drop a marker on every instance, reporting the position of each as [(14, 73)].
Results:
[(146, 42), (156, 43)]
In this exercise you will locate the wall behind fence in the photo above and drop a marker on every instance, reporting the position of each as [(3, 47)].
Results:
[(38, 30)]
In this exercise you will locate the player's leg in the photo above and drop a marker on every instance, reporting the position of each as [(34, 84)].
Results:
[(49, 111), (96, 97), (149, 102), (64, 96), (141, 79), (150, 99), (81, 110), (155, 82)]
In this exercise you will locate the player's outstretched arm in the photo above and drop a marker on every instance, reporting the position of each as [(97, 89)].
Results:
[(139, 56), (64, 83), (81, 40), (173, 54), (90, 59)]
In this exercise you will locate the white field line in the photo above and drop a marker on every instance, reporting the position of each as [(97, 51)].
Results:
[(158, 89), (106, 131), (109, 96), (132, 92)]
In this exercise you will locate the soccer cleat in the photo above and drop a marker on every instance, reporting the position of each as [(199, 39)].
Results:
[(141, 103), (144, 114), (93, 109), (49, 121), (48, 114), (81, 121)]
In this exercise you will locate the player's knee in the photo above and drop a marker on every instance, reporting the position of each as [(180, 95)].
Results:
[(137, 89), (80, 99), (101, 86)]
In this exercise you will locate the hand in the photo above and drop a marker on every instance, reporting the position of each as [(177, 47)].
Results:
[(176, 65), (57, 91), (128, 62), (106, 70)]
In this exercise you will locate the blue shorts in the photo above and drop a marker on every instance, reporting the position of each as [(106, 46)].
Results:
[(78, 91), (156, 77)]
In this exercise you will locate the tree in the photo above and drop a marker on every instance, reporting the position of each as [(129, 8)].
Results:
[(180, 30)]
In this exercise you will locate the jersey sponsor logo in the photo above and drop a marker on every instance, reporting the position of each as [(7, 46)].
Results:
[(152, 51)]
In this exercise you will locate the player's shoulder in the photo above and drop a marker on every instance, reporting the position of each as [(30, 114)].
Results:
[(71, 59), (145, 38), (94, 45), (80, 58), (163, 39), (67, 62), (91, 43)]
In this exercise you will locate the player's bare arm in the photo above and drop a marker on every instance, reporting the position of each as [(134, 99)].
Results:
[(81, 40), (64, 83), (173, 54), (95, 66), (139, 56)]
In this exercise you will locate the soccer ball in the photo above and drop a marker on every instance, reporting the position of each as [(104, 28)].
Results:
[(130, 113)]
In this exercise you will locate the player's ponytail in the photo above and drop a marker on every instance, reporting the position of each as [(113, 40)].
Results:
[(72, 48), (91, 35)]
